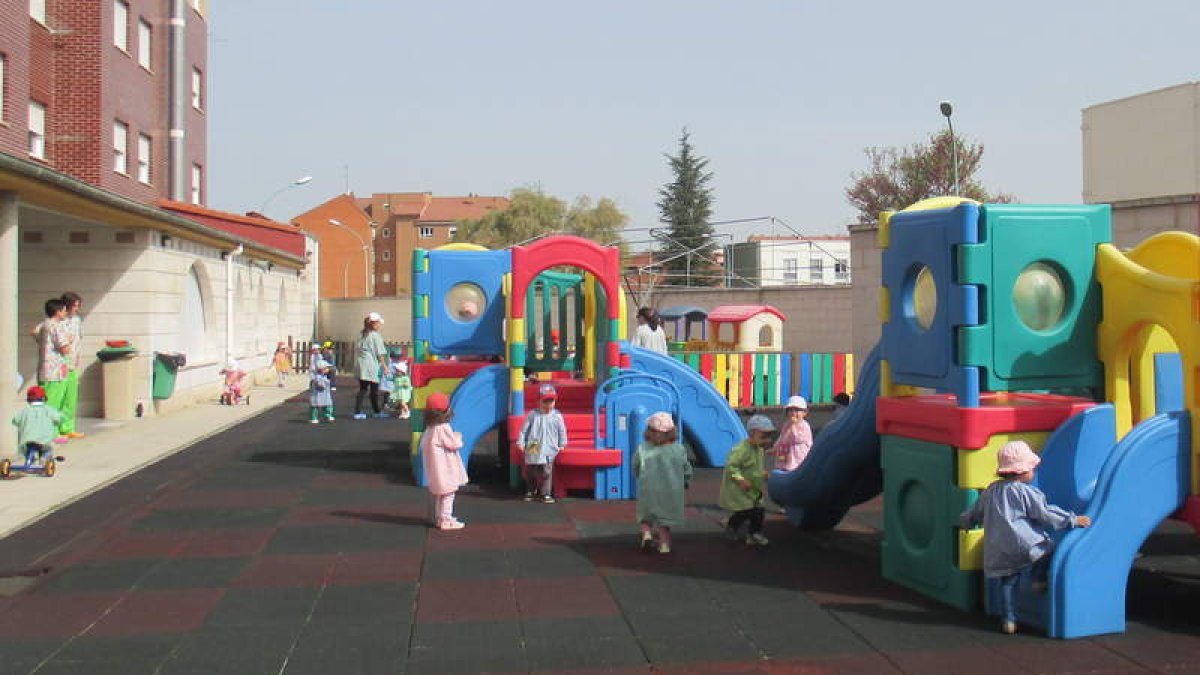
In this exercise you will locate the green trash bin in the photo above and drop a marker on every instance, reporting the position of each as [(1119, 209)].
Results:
[(166, 367)]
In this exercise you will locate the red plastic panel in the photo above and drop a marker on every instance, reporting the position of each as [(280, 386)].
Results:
[(422, 373), (746, 391), (938, 419), (706, 366), (839, 373), (602, 261)]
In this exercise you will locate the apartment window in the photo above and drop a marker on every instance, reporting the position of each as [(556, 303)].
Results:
[(37, 130), (120, 147), (197, 177), (426, 233), (816, 269), (121, 25), (387, 255), (144, 46), (197, 89), (387, 278), (387, 233), (452, 231), (143, 158), (791, 270), (37, 10), (841, 269)]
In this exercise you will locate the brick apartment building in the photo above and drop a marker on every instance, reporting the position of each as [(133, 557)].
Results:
[(111, 92), (102, 171), (366, 243)]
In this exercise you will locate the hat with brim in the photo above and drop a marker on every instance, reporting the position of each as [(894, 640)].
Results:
[(1015, 458)]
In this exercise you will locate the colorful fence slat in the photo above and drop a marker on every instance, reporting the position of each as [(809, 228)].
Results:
[(768, 378)]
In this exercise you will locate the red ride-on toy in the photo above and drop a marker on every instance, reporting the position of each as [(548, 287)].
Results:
[(38, 460)]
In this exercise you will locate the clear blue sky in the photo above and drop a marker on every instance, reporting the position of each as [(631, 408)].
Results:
[(585, 98)]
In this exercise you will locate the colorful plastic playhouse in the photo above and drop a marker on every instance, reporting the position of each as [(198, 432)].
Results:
[(1010, 312), (745, 328), (490, 327), (682, 319)]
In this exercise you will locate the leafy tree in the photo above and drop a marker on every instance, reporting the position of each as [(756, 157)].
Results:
[(532, 213), (685, 206), (899, 177)]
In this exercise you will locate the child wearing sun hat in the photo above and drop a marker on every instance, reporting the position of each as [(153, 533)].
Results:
[(663, 473), (1016, 523)]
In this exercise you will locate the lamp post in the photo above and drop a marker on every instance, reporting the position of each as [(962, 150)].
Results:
[(303, 180), (947, 111), (366, 260)]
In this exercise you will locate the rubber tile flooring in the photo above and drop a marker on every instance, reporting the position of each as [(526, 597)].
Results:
[(279, 547)]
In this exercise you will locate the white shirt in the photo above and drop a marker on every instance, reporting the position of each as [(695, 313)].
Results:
[(655, 340)]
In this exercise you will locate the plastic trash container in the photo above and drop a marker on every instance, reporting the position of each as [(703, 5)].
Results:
[(166, 367), (116, 364)]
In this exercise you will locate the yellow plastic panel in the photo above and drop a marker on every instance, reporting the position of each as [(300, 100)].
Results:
[(977, 466)]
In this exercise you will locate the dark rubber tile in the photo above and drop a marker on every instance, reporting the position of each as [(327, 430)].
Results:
[(113, 575), (108, 654), (362, 649), (393, 602), (193, 573), (593, 643), (473, 647), (233, 650), (564, 561), (288, 570), (484, 564), (564, 597), (455, 601), (255, 607)]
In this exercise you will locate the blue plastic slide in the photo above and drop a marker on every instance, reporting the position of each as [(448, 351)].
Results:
[(481, 402), (842, 469), (1127, 488), (709, 424)]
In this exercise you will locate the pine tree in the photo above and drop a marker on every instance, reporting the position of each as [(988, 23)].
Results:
[(685, 205)]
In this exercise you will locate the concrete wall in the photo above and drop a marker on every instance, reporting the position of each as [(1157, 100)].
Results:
[(133, 288), (818, 317), (1135, 221), (1142, 146), (867, 265), (342, 319)]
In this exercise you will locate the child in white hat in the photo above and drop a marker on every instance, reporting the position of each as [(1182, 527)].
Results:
[(795, 439), (1016, 520), (663, 472), (744, 482)]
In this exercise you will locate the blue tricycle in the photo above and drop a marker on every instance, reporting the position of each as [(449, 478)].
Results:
[(38, 460)]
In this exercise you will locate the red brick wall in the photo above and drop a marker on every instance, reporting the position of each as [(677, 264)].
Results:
[(197, 120), (86, 83), (14, 45)]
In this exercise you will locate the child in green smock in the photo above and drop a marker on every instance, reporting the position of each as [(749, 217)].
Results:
[(745, 481), (663, 472)]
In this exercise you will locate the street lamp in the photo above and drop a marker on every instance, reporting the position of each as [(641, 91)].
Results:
[(366, 261), (947, 111), (303, 180)]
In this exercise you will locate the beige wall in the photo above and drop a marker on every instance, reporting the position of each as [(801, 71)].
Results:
[(342, 319), (866, 264), (1135, 221), (1142, 146), (135, 291)]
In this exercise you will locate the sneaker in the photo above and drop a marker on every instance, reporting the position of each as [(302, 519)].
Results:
[(756, 539), (314, 421), (547, 499), (75, 434), (382, 416), (405, 415), (452, 525), (528, 497), (664, 547), (329, 419), (647, 541), (61, 439), (1008, 627), (360, 416)]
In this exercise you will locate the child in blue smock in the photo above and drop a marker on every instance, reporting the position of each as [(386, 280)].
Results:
[(320, 387), (663, 472), (542, 437), (1016, 520)]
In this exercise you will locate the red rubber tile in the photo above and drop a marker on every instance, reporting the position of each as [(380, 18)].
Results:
[(149, 612), (208, 499), (602, 512), (324, 514), (564, 598), (142, 545), (57, 614), (473, 600), (363, 568), (226, 543), (288, 570)]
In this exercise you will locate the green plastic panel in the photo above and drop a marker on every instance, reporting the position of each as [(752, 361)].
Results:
[(920, 515), (1014, 355)]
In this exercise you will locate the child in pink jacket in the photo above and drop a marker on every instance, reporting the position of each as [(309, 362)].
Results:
[(795, 439), (444, 469)]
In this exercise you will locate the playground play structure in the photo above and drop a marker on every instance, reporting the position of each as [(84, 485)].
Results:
[(1024, 321), (1028, 324)]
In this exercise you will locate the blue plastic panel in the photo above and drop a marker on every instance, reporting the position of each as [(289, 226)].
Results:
[(927, 357), (486, 269)]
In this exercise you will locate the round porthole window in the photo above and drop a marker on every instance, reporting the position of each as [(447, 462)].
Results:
[(920, 298), (1039, 296), (466, 302)]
